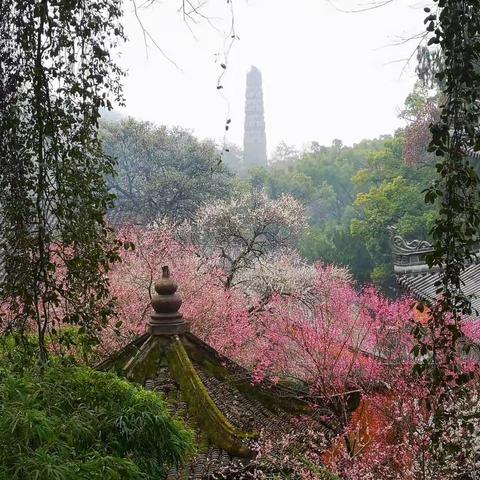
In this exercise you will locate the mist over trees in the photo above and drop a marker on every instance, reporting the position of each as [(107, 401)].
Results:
[(351, 193), (161, 173)]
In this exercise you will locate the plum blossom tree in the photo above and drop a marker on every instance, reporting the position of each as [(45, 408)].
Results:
[(242, 230), (207, 305), (390, 437), (281, 272), (341, 340), (338, 336)]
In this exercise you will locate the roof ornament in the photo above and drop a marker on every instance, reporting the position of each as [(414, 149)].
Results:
[(472, 154), (167, 320), (401, 247)]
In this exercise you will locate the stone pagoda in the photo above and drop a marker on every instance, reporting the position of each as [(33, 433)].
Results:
[(254, 137)]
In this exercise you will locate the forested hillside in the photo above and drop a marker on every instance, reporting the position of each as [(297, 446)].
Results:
[(351, 193)]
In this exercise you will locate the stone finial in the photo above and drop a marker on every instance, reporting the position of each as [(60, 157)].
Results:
[(166, 320)]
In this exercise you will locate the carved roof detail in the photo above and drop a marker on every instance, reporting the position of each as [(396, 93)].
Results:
[(416, 277), (400, 246)]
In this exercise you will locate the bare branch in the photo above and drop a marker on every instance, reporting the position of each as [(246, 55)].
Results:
[(147, 35), (372, 6)]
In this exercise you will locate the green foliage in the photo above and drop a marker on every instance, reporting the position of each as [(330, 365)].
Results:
[(335, 244), (56, 73), (454, 31), (352, 195), (456, 189), (390, 194), (72, 423), (396, 202), (281, 180), (161, 173)]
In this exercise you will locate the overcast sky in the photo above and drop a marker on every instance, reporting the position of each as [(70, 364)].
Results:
[(326, 74)]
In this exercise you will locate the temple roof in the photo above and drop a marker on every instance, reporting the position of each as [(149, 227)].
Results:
[(212, 394), (416, 277)]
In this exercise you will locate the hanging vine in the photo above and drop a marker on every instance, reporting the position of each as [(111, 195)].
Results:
[(454, 31), (56, 73)]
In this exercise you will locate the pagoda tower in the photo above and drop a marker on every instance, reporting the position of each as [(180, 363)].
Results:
[(254, 137)]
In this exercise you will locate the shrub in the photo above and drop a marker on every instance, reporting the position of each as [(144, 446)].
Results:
[(71, 422)]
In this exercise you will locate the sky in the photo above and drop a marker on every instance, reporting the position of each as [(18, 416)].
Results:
[(326, 74)]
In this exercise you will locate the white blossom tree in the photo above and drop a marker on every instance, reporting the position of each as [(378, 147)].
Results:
[(243, 230), (281, 272)]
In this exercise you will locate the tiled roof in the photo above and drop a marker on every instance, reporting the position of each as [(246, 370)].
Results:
[(416, 277), (248, 408), (215, 396), (422, 285)]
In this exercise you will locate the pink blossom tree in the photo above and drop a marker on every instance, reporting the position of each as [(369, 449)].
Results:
[(281, 319)]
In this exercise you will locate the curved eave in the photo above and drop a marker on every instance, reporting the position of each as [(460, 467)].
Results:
[(423, 287)]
